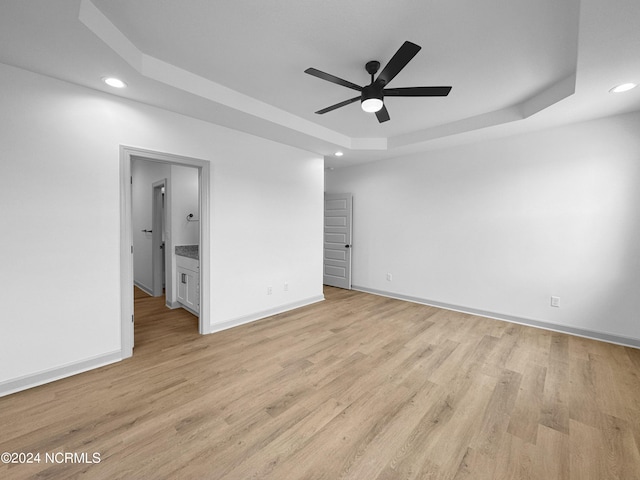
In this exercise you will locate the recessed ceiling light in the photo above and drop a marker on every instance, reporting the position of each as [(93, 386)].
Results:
[(338, 154), (114, 82), (625, 87)]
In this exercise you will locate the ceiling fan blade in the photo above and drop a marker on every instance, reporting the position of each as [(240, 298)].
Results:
[(338, 105), (382, 114), (404, 54), (332, 78), (417, 92)]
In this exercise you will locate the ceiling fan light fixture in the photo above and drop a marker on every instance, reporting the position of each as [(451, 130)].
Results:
[(372, 105), (372, 98)]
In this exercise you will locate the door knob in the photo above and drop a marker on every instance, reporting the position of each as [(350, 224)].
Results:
[(347, 246)]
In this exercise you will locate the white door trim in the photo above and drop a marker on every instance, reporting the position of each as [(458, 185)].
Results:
[(127, 155)]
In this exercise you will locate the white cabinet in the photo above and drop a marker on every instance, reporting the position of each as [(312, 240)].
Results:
[(188, 283)]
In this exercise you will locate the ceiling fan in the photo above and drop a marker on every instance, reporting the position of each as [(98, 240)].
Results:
[(372, 95)]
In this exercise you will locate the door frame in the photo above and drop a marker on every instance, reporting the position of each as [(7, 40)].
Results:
[(127, 155), (158, 225)]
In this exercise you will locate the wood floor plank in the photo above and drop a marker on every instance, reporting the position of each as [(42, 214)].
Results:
[(356, 387), (551, 456), (497, 415), (555, 402), (282, 448), (345, 436), (525, 417), (620, 445), (583, 404), (587, 452)]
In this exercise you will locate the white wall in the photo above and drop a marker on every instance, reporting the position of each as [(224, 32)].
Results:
[(59, 211), (500, 226), (184, 200)]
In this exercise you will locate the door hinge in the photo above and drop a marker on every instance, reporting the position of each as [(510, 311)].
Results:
[(131, 248), (131, 178), (131, 318)]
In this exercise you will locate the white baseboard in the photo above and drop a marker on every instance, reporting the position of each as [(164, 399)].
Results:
[(144, 288), (33, 380), (579, 332), (45, 376), (218, 327)]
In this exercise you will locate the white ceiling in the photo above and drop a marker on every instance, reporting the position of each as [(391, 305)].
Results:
[(514, 65)]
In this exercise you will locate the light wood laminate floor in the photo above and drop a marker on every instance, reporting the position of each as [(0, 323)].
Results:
[(355, 387)]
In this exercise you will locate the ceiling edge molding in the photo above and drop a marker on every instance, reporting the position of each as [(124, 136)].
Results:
[(189, 82), (176, 77), (106, 31), (380, 143), (519, 111), (477, 122), (549, 96)]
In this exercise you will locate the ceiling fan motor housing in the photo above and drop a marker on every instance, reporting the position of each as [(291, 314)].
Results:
[(372, 67)]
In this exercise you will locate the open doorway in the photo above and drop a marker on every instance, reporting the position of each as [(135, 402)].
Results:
[(160, 237), (158, 257)]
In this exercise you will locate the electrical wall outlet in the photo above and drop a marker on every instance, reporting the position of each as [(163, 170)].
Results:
[(269, 290), (555, 302), (389, 277)]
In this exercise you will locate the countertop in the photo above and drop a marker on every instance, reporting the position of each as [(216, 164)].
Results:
[(189, 251)]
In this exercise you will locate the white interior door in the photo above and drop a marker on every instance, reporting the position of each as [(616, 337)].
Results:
[(337, 239)]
